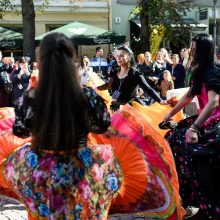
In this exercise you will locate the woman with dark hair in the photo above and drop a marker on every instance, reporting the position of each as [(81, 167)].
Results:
[(202, 130), (123, 84), (59, 175), (58, 87)]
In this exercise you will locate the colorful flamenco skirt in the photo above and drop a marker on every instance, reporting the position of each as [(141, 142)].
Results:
[(8, 144), (150, 184), (153, 114), (95, 80)]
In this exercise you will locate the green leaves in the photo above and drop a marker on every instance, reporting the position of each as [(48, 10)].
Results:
[(7, 6), (168, 13)]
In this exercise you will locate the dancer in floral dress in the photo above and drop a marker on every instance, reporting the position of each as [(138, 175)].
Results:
[(76, 166)]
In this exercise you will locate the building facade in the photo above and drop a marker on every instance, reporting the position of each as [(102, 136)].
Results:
[(61, 12), (121, 10), (202, 11)]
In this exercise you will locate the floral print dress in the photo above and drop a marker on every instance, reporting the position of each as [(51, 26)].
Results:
[(129, 168), (64, 186), (77, 186)]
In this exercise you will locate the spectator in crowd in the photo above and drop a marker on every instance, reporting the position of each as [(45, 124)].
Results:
[(178, 72), (84, 71), (20, 80), (147, 69), (140, 59), (166, 84), (5, 82), (34, 75), (99, 64), (188, 69), (184, 57), (159, 65), (112, 69), (166, 56), (110, 58)]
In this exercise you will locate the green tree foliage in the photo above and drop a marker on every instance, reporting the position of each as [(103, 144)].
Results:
[(28, 8), (168, 13), (5, 6)]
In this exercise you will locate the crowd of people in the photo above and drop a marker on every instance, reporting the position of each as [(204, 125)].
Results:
[(16, 77), (83, 161), (162, 73)]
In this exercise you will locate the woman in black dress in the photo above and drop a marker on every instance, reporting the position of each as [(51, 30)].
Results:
[(123, 84)]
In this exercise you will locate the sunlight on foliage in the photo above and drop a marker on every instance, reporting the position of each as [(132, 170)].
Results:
[(162, 12)]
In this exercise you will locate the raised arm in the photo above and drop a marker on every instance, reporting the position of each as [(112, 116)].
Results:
[(149, 90), (99, 117), (213, 102), (105, 86)]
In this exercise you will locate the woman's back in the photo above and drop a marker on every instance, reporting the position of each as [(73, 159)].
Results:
[(65, 186)]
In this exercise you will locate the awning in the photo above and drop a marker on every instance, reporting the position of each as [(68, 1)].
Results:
[(10, 39), (84, 34)]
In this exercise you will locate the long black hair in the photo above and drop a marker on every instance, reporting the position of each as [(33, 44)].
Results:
[(59, 105), (203, 58)]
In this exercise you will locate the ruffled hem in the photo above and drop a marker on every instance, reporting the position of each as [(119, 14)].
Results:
[(142, 180), (156, 149), (8, 144), (6, 119)]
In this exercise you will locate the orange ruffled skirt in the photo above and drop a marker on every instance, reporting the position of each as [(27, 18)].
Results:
[(150, 185)]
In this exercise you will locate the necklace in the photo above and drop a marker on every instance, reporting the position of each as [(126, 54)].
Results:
[(121, 81), (117, 92), (124, 74)]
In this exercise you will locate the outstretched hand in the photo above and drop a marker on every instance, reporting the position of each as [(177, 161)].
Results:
[(94, 86), (191, 136), (114, 106), (172, 101), (163, 102), (167, 118)]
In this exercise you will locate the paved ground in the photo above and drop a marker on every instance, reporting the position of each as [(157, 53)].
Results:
[(12, 210)]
